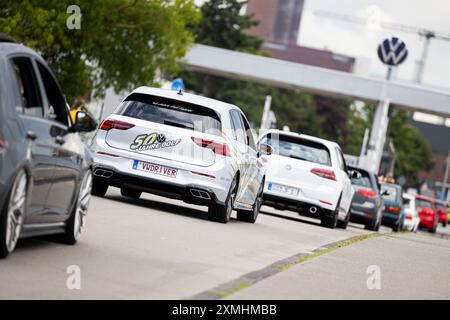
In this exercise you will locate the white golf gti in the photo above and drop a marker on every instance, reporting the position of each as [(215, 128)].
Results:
[(308, 175), (180, 146)]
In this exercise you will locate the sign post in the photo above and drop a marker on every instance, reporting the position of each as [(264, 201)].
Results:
[(392, 52)]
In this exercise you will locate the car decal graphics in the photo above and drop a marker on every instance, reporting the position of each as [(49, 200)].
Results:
[(152, 141)]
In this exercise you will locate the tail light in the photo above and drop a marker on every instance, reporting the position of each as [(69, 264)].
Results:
[(324, 173), (108, 154), (3, 143), (392, 209), (216, 147), (367, 193), (109, 124)]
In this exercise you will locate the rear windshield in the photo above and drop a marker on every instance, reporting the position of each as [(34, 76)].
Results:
[(171, 112), (364, 180), (393, 193), (423, 203), (298, 148), (407, 203)]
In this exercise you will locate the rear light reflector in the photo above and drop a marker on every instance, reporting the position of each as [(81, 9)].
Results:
[(108, 154), (326, 202), (109, 124), (408, 217), (324, 173), (216, 147), (391, 209), (3, 143), (203, 174), (367, 193)]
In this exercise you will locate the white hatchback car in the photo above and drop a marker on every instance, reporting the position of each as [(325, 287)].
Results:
[(308, 175), (412, 220), (180, 146)]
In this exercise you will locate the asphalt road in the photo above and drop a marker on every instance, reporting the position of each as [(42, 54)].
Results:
[(412, 266), (156, 248)]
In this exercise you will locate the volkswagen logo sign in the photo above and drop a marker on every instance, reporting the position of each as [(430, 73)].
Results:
[(392, 51)]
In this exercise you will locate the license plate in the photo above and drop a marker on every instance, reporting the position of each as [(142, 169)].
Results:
[(283, 189), (155, 168)]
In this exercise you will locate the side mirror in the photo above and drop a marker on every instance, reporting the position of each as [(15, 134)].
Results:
[(84, 122), (265, 149), (385, 193), (353, 174)]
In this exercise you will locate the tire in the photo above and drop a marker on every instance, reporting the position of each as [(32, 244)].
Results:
[(343, 224), (377, 227), (131, 193), (251, 216), (331, 222), (77, 221), (13, 212), (99, 188), (374, 226), (222, 213)]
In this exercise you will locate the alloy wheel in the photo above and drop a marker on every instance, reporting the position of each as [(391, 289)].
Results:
[(16, 210), (81, 210)]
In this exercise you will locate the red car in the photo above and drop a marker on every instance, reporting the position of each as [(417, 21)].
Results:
[(427, 213), (442, 210)]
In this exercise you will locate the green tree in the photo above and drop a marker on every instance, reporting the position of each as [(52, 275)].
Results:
[(223, 26), (121, 43), (412, 151)]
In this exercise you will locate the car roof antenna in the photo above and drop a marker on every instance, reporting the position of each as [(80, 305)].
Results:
[(180, 92)]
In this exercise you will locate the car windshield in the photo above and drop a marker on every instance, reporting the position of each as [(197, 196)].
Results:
[(171, 112), (406, 203), (298, 148), (364, 180), (424, 203), (392, 196)]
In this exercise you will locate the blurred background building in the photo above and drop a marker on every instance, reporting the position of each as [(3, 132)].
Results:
[(280, 27)]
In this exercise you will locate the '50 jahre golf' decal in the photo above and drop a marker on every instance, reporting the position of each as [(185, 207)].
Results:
[(152, 141)]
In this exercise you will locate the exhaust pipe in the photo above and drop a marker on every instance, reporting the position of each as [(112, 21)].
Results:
[(103, 173), (313, 210), (200, 194)]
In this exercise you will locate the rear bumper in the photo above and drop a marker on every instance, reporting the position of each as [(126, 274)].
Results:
[(390, 220), (301, 207), (216, 178), (205, 196), (363, 212), (306, 197), (410, 224), (427, 221)]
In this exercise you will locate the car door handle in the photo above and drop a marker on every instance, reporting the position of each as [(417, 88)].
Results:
[(60, 140), (31, 135)]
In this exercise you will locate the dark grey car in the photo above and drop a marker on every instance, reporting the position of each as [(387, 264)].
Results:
[(367, 205), (45, 170)]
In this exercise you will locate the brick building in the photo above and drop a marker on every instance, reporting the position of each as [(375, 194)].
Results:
[(279, 23)]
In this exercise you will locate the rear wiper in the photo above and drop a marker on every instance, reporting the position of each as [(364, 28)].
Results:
[(179, 125)]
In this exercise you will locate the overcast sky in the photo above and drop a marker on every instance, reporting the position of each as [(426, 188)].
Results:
[(361, 41)]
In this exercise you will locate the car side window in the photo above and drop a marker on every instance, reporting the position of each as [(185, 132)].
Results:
[(30, 97), (248, 133), (238, 127), (57, 109), (341, 160)]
